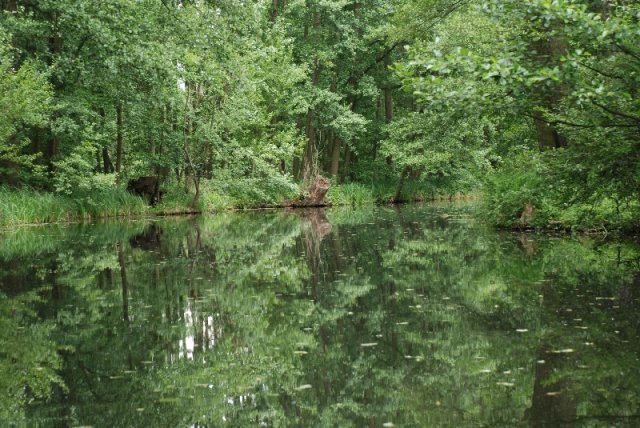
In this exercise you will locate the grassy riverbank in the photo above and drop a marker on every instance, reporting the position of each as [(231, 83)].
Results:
[(31, 207), (26, 206)]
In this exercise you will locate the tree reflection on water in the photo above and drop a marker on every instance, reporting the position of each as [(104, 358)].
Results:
[(414, 317)]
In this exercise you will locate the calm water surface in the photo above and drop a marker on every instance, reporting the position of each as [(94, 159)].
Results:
[(411, 317)]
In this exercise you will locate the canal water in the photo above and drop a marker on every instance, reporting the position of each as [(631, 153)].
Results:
[(417, 316)]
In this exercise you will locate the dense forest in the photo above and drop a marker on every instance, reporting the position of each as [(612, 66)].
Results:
[(532, 104)]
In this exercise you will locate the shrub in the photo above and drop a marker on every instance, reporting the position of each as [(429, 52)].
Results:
[(74, 175)]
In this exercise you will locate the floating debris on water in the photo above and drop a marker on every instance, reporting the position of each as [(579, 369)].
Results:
[(303, 387), (369, 345), (509, 384), (522, 330), (562, 351)]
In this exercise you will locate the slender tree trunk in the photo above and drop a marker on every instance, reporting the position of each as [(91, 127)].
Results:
[(388, 101), (125, 283), (191, 174), (347, 163), (552, 403), (309, 167), (548, 52), (403, 176), (335, 157), (547, 136), (119, 139), (11, 5), (388, 93), (106, 161), (98, 168), (335, 142)]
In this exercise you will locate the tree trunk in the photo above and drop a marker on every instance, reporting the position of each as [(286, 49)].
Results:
[(106, 161), (119, 139), (125, 283), (335, 158), (11, 6), (98, 168), (547, 136), (388, 98), (552, 403), (548, 52), (347, 163), (316, 192), (403, 177), (309, 167)]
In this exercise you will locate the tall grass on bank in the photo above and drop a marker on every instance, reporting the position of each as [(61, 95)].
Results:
[(25, 206), (350, 194), (270, 191), (357, 194)]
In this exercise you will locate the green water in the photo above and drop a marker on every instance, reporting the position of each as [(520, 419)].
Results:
[(411, 317)]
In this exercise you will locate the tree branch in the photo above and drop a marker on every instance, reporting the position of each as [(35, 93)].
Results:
[(617, 113), (552, 123), (595, 70), (628, 51)]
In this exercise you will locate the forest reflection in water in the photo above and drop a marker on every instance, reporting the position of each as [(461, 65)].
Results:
[(413, 316)]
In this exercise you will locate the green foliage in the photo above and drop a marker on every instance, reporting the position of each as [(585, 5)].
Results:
[(351, 194), (521, 180), (242, 95), (29, 362), (546, 181), (25, 101), (271, 190), (447, 153), (569, 66), (74, 175)]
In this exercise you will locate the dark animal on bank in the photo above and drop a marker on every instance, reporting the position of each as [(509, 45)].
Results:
[(147, 187)]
